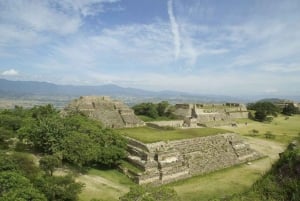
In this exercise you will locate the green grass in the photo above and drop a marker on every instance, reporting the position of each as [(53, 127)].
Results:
[(107, 185), (221, 183), (147, 119), (131, 167), (112, 175), (283, 129), (149, 135)]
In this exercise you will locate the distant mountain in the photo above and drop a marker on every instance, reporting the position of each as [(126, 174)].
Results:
[(275, 100), (31, 89)]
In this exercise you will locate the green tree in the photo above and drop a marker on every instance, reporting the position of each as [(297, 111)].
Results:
[(5, 138), (23, 194), (290, 109), (39, 112), (80, 123), (260, 115), (79, 149), (162, 108), (49, 163), (150, 193), (10, 180), (10, 122), (7, 163), (14, 187), (111, 147), (263, 109), (45, 133), (18, 162), (62, 188), (147, 109)]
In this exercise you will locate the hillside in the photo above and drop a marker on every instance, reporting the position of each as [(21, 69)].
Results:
[(44, 90)]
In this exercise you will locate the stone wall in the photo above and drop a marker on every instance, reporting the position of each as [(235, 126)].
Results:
[(164, 162), (210, 114), (111, 113), (173, 123)]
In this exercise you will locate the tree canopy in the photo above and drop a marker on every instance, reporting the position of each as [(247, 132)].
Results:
[(263, 109), (290, 109), (150, 193), (152, 110), (71, 138)]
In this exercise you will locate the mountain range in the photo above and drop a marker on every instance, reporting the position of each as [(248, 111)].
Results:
[(32, 89), (35, 90)]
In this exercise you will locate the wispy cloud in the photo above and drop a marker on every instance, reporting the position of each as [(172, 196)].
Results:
[(86, 7), (175, 29), (29, 21), (10, 72), (192, 43)]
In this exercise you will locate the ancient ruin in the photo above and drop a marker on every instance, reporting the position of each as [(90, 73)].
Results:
[(210, 114), (204, 115), (111, 113), (164, 162)]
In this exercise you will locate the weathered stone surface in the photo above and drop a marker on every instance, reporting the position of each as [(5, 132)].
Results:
[(111, 113), (195, 115), (164, 162)]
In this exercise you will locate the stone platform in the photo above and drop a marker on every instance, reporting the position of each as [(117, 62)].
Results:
[(164, 162)]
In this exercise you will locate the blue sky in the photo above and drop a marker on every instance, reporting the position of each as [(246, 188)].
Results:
[(228, 47)]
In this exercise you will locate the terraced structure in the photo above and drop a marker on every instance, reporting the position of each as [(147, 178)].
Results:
[(164, 154), (111, 113), (200, 151)]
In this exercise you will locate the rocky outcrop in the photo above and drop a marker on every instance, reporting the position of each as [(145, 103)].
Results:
[(111, 113), (164, 162)]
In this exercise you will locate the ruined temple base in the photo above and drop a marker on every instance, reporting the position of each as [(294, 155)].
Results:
[(165, 162)]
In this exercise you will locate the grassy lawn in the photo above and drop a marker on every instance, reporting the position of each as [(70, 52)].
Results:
[(149, 135), (218, 184), (282, 127), (107, 185)]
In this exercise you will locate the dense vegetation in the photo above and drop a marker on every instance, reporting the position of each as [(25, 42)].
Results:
[(290, 109), (22, 180), (282, 182), (150, 193), (161, 110), (264, 109), (72, 138)]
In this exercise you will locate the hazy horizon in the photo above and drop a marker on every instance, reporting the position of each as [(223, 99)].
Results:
[(233, 48)]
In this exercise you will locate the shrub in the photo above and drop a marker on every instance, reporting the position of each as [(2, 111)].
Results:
[(269, 135)]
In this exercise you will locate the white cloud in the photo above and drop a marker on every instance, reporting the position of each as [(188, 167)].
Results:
[(37, 21), (281, 67), (10, 72), (174, 28), (85, 7), (39, 16), (133, 44)]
